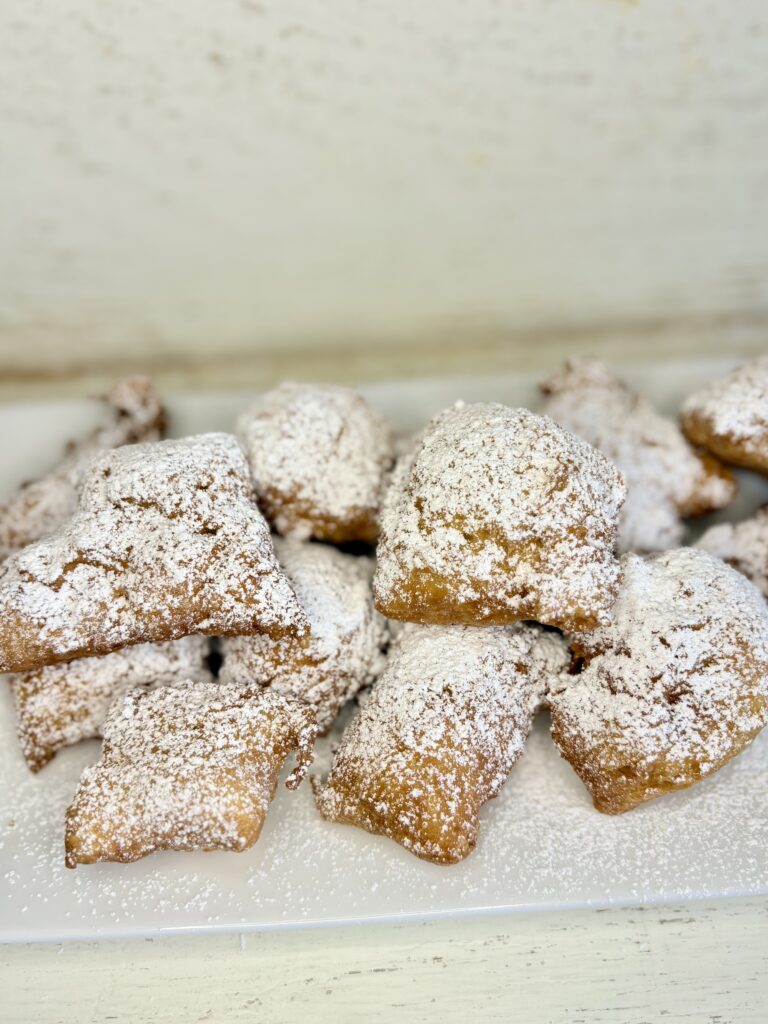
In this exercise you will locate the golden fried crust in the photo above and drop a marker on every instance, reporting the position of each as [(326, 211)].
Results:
[(617, 787), (319, 456), (293, 516), (499, 516), (191, 766), (730, 448), (433, 599), (728, 416), (167, 542), (134, 413), (714, 481), (441, 825), (439, 734), (674, 689)]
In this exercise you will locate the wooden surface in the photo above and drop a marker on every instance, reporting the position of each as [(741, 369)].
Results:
[(278, 176), (453, 354), (698, 963)]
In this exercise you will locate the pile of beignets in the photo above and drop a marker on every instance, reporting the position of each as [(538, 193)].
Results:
[(208, 606)]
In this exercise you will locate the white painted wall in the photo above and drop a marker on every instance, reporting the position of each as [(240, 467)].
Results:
[(181, 173)]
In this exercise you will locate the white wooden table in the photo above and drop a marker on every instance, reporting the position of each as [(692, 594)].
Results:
[(694, 962)]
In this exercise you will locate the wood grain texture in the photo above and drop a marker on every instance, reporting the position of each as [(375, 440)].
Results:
[(458, 353), (699, 963), (286, 176)]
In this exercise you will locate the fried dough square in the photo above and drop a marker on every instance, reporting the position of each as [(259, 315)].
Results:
[(743, 545), (667, 479), (319, 456), (499, 516), (190, 766), (673, 689), (439, 733), (729, 417), (167, 542)]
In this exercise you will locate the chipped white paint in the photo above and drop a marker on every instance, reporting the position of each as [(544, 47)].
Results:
[(268, 174)]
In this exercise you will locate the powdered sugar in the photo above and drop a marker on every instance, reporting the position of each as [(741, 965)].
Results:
[(41, 506), (63, 704), (343, 648), (318, 455), (743, 545), (730, 416), (167, 542), (500, 515), (665, 477), (187, 766), (439, 733), (680, 677)]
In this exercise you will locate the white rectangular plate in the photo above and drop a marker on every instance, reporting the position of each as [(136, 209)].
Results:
[(541, 844)]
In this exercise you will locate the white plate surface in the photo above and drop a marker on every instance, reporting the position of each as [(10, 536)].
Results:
[(541, 845)]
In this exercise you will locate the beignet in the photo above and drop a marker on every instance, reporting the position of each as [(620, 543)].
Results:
[(498, 516), (671, 690), (190, 766), (743, 545), (135, 413), (438, 734), (167, 542), (319, 456), (60, 705), (729, 417), (666, 479)]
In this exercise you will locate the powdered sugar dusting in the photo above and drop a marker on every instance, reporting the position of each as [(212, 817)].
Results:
[(743, 545), (439, 733), (64, 704), (343, 647), (665, 477), (135, 413), (167, 542), (319, 455), (500, 515), (679, 679), (735, 405), (730, 416), (188, 766)]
